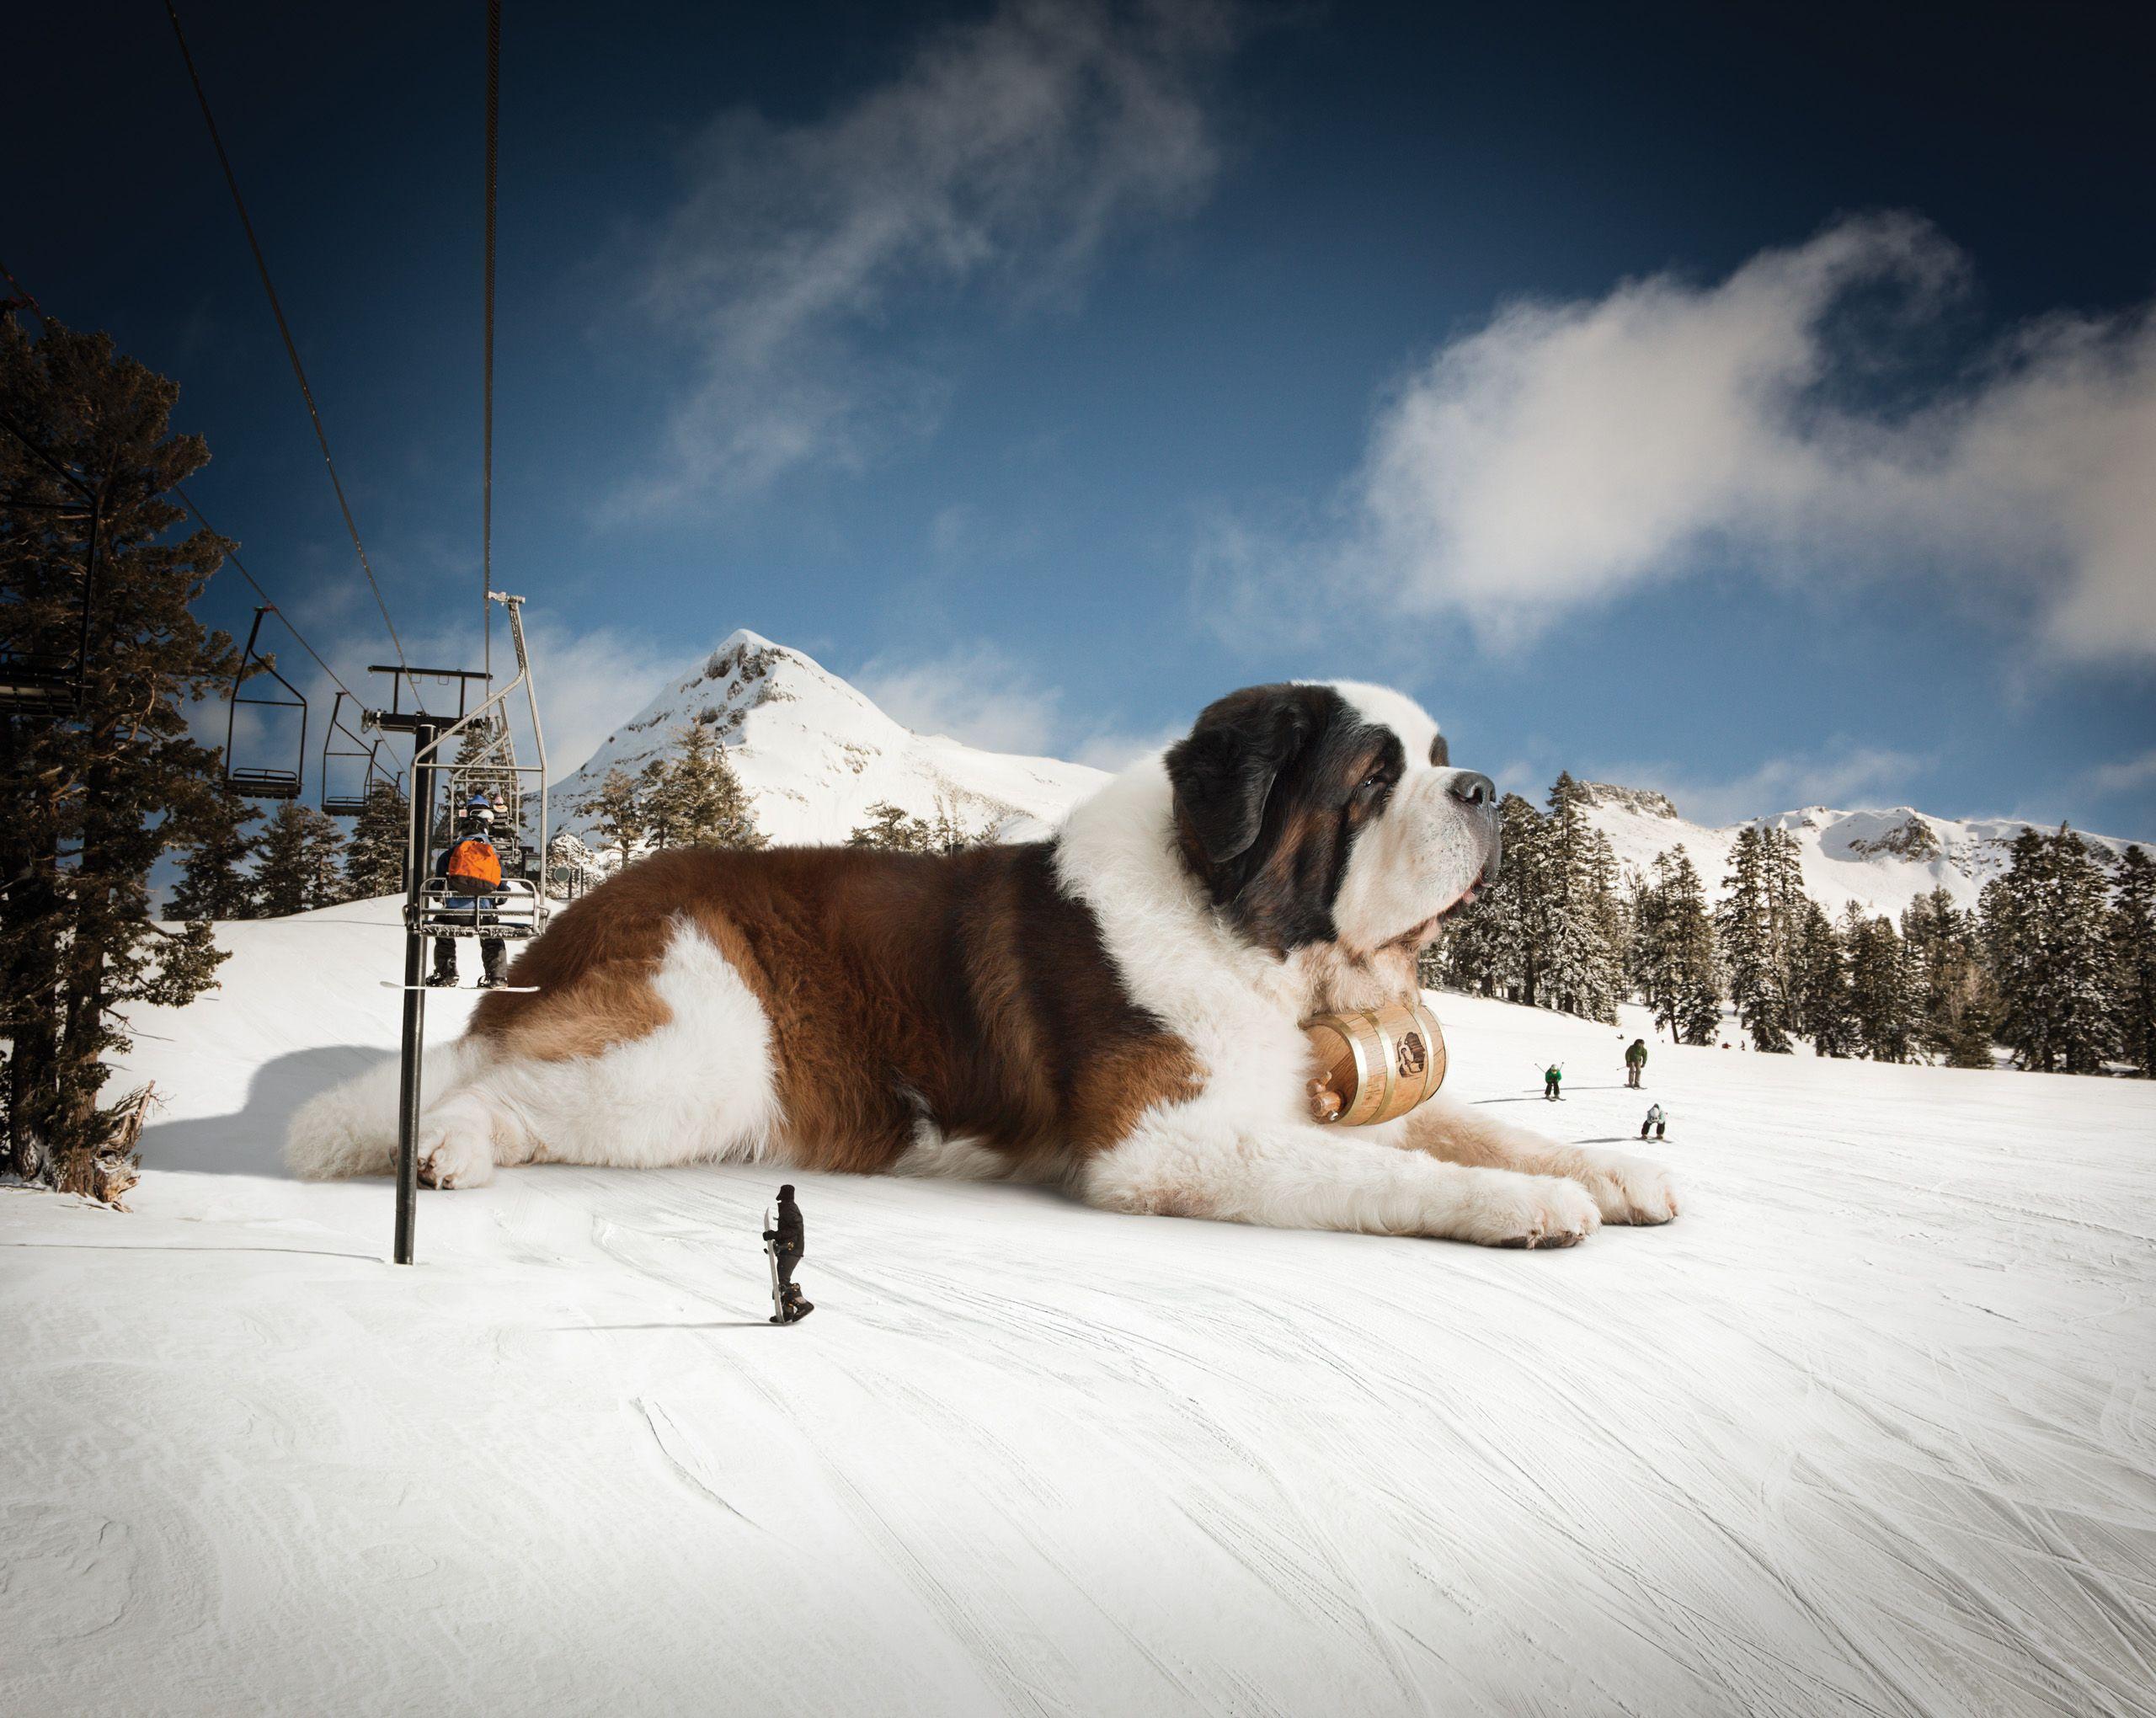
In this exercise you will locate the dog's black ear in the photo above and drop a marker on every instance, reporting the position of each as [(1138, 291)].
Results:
[(1223, 772)]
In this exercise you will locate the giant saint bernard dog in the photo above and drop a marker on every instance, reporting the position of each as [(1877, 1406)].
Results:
[(1116, 1009)]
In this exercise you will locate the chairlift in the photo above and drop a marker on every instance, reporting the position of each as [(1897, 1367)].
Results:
[(262, 783), (352, 748)]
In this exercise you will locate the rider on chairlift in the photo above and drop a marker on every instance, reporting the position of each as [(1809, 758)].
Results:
[(473, 872)]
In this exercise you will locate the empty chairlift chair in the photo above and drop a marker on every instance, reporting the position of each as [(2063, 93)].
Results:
[(256, 780)]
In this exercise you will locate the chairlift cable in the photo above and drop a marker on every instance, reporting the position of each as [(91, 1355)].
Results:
[(292, 349), (487, 454), (187, 501)]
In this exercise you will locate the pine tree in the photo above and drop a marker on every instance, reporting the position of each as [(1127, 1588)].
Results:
[(616, 806), (301, 861), (1493, 948), (1750, 921), (947, 832), (891, 830), (1674, 951), (2046, 930), (215, 880), (94, 796), (2133, 959), (374, 862), (1578, 967), (1879, 987), (1951, 991), (695, 799), (1823, 985)]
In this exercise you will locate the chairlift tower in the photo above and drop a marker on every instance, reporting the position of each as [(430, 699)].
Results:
[(431, 910)]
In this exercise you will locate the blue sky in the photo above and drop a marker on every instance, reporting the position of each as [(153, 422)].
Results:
[(1756, 408)]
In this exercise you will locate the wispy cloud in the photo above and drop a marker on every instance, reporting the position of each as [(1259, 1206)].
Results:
[(2125, 776), (976, 693), (1004, 154), (981, 694), (1567, 453)]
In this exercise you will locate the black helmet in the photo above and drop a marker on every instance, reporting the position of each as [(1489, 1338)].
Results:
[(787, 1192)]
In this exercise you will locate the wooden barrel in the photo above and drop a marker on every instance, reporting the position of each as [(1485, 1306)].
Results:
[(1381, 1062)]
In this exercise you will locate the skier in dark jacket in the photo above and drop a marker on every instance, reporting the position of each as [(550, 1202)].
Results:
[(1635, 1062), (789, 1242), (1551, 1077)]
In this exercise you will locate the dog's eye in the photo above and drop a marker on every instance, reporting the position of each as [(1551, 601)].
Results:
[(1371, 782)]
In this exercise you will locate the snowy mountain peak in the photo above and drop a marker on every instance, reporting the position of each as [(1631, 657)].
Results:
[(1643, 800), (814, 752)]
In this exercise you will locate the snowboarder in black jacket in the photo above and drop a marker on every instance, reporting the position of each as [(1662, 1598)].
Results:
[(789, 1243)]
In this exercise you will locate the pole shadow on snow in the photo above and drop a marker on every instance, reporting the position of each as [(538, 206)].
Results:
[(252, 1142)]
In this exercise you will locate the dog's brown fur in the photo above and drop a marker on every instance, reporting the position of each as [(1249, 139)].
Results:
[(966, 990)]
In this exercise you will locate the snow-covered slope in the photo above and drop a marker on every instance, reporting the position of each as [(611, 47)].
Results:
[(1867, 1430), (814, 754), (1883, 860)]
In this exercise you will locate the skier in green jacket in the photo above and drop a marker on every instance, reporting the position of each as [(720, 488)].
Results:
[(1635, 1062), (1550, 1077)]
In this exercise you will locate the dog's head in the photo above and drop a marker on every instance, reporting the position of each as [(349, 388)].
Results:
[(1331, 814)]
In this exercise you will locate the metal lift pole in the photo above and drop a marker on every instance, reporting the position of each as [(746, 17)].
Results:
[(426, 733)]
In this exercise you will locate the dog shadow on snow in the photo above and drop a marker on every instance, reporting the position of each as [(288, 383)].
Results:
[(252, 1141)]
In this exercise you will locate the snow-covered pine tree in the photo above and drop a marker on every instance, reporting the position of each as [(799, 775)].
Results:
[(1880, 987), (96, 795), (1823, 984), (1747, 923), (300, 861), (1950, 988), (215, 880), (1574, 914), (2134, 958), (695, 799), (1674, 951), (1514, 910), (616, 806), (374, 861), (2045, 928)]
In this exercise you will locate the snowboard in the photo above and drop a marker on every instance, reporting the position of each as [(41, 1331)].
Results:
[(780, 1314), (771, 1256)]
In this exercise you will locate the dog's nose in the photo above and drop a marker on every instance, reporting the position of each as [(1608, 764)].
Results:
[(1472, 787)]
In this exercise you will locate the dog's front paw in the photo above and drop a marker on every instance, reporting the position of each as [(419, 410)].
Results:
[(1510, 1209), (1627, 1189), (456, 1156)]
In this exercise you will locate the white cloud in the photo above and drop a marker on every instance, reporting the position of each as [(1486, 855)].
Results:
[(982, 695), (1113, 748), (2123, 777), (1005, 153), (976, 693), (1567, 453), (1850, 777)]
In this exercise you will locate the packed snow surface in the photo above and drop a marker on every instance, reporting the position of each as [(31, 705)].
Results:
[(1870, 1429)]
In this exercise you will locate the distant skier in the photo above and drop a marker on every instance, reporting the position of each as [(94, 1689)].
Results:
[(472, 868), (1655, 1120), (788, 1247), (1635, 1063), (1552, 1076)]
